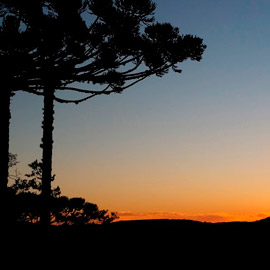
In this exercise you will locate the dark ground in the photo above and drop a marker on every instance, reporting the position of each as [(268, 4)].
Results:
[(232, 245)]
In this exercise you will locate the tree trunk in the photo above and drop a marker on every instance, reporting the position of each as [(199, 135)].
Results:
[(6, 116), (47, 148), (4, 155)]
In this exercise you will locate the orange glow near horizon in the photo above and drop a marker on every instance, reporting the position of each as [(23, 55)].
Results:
[(153, 190), (212, 218), (156, 191)]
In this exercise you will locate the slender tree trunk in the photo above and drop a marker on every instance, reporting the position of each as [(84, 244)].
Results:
[(5, 100), (6, 116), (47, 148)]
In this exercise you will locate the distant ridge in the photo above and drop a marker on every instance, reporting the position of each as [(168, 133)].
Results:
[(264, 220), (188, 221), (165, 220)]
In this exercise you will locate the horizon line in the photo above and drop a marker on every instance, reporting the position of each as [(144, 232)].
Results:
[(209, 217)]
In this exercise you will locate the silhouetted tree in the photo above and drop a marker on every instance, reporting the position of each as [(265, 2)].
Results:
[(25, 200), (33, 181), (17, 73), (110, 44), (26, 203), (121, 45), (28, 34), (14, 59), (76, 211)]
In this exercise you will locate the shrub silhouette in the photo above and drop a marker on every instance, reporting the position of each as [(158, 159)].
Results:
[(26, 203), (76, 211)]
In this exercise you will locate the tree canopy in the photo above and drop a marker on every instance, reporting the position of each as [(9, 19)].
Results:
[(109, 43), (89, 47)]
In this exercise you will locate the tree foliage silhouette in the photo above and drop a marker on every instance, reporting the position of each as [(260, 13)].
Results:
[(26, 203), (76, 211), (15, 48), (109, 44), (45, 41)]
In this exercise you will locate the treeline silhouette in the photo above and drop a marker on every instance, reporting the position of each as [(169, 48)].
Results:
[(25, 203), (104, 46)]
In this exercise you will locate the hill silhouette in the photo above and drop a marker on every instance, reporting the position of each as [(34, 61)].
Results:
[(149, 231)]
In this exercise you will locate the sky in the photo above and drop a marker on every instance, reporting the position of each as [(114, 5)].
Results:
[(194, 145)]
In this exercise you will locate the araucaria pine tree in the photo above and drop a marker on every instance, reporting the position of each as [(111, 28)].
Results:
[(105, 46)]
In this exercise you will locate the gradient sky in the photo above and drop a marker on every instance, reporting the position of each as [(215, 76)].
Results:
[(194, 145)]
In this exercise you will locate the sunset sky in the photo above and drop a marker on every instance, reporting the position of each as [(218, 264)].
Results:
[(194, 145)]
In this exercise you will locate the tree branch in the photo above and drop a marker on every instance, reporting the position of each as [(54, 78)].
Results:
[(80, 90), (134, 68)]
